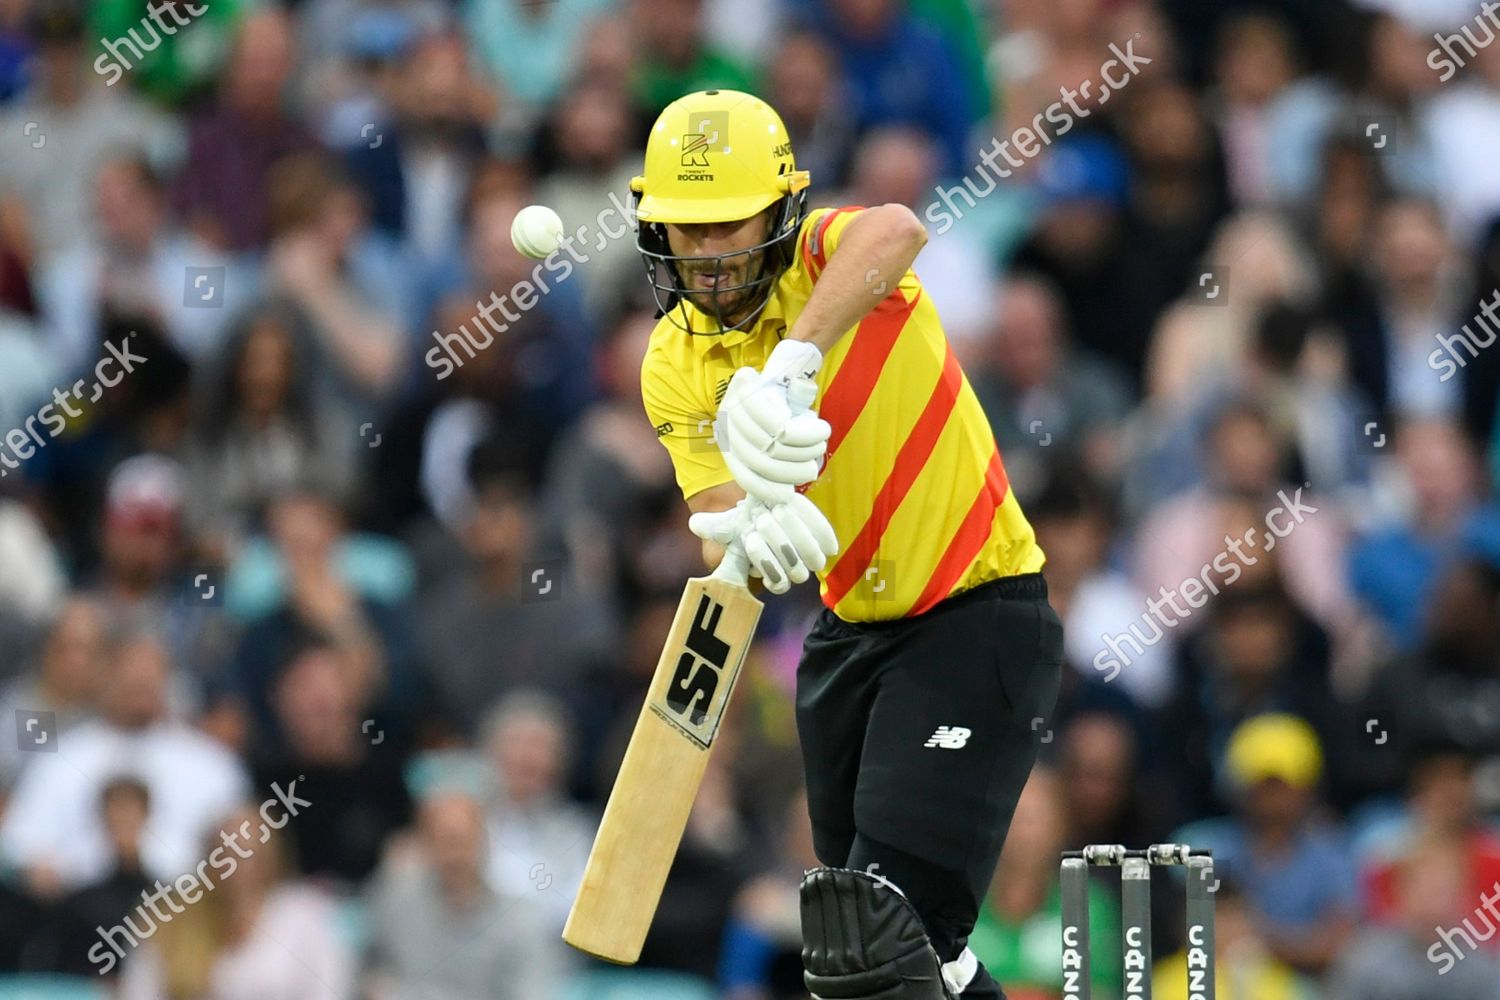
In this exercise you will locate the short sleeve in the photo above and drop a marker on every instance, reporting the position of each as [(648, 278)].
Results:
[(684, 425), (820, 236)]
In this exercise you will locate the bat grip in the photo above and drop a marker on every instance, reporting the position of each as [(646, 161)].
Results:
[(734, 567)]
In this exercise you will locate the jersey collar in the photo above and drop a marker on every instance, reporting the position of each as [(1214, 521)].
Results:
[(772, 319)]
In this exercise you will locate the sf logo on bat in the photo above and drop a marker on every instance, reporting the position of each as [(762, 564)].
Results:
[(700, 686)]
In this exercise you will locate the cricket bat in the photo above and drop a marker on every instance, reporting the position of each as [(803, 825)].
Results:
[(664, 764)]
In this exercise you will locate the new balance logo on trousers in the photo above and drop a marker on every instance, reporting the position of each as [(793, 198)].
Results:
[(949, 738)]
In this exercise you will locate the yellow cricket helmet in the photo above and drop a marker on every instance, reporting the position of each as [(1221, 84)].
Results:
[(718, 156)]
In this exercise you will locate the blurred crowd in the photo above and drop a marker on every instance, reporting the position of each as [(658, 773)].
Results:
[(1231, 322)]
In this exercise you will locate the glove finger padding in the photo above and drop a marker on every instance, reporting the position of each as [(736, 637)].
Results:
[(805, 430), (783, 452), (756, 485), (863, 940), (811, 517), (722, 526), (765, 407), (767, 466), (738, 430), (759, 553), (806, 538), (769, 527)]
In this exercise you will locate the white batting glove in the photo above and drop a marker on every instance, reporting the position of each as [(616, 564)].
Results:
[(773, 443), (785, 543)]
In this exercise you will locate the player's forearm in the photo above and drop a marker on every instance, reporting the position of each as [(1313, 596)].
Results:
[(875, 252)]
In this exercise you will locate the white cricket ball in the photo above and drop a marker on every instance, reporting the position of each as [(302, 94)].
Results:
[(537, 231)]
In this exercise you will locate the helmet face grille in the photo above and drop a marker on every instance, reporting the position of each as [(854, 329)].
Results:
[(665, 277)]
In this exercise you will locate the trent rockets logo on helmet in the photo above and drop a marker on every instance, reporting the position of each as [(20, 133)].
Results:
[(705, 130)]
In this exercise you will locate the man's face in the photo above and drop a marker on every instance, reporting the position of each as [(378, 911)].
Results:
[(707, 280)]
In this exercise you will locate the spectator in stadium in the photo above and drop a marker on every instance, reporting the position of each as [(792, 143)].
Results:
[(1386, 961), (1256, 653), (1040, 390), (543, 370), (62, 127), (262, 429), (1076, 243), (1443, 691), (438, 927), (52, 828), (1294, 865), (899, 71), (762, 954), (493, 628), (133, 266), (338, 759), (1441, 814), (1374, 99), (171, 66), (72, 929), (530, 50), (1293, 367), (803, 83), (1255, 60), (348, 283), (609, 443), (1205, 336), (1108, 797), (257, 933), (65, 680), (317, 579), (1025, 904), (674, 56), (1395, 566), (1253, 481), (898, 164), (415, 172), (1419, 290), (1463, 120), (590, 146), (1076, 526), (144, 549), (1245, 969), (530, 741), (224, 187)]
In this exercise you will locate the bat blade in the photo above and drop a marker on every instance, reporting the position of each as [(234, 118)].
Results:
[(663, 767)]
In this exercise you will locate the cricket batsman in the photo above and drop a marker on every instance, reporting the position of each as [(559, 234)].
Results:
[(817, 417)]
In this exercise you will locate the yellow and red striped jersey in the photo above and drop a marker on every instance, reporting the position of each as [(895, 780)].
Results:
[(913, 482)]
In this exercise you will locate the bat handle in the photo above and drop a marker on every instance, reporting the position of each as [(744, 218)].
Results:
[(734, 567)]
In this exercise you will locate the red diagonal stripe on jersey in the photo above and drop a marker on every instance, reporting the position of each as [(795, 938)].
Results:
[(911, 459), (852, 384), (967, 542), (818, 236)]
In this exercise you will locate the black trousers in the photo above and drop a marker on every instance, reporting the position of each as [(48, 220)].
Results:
[(917, 737)]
